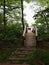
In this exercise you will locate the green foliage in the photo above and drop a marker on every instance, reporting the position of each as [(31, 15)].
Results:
[(42, 56), (10, 2), (4, 56), (42, 24), (13, 17), (28, 1), (1, 19), (12, 32), (1, 1), (43, 3), (44, 36)]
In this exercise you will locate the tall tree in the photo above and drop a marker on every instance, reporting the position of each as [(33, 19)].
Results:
[(22, 13), (4, 17)]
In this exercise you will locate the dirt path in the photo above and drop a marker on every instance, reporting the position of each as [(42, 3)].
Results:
[(30, 39)]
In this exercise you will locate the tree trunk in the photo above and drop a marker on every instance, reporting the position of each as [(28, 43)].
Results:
[(4, 17), (22, 13), (46, 22)]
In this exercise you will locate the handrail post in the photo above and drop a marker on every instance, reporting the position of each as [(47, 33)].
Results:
[(36, 33), (24, 33)]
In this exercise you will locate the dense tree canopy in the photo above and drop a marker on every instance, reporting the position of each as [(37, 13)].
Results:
[(42, 2), (42, 19), (13, 14)]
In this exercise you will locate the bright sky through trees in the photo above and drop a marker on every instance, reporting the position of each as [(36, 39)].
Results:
[(29, 10)]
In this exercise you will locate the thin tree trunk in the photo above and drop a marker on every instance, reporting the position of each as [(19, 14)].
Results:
[(46, 22), (22, 13), (4, 17)]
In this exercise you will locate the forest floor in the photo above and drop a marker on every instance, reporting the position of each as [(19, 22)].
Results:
[(20, 56)]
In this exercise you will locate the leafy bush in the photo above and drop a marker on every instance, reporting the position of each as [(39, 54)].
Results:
[(43, 56), (1, 36), (44, 36), (4, 56), (13, 31)]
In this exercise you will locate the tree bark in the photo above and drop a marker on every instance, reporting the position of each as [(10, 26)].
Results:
[(4, 20), (22, 13), (46, 22)]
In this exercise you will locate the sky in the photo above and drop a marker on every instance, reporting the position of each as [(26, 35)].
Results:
[(30, 10)]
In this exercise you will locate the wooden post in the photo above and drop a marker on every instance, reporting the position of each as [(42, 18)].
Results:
[(24, 32), (36, 35), (36, 31)]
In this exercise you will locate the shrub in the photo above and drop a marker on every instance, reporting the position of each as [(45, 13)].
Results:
[(13, 31), (43, 56)]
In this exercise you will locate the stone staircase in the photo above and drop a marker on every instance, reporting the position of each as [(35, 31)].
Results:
[(19, 56)]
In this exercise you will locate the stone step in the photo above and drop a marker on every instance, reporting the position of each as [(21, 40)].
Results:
[(13, 64), (18, 56), (17, 62), (22, 53), (24, 49), (13, 61), (17, 59)]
